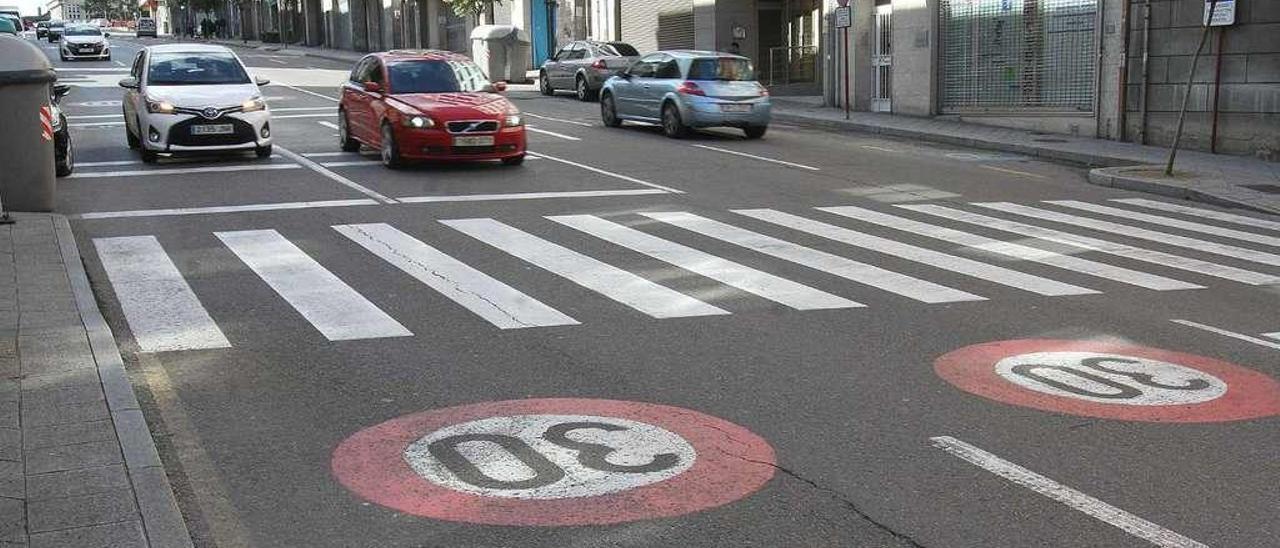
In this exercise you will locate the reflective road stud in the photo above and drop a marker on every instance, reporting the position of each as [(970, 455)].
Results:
[(1111, 380), (553, 462)]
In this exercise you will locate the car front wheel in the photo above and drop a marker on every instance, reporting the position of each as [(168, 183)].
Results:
[(390, 151), (544, 84), (609, 111), (345, 141)]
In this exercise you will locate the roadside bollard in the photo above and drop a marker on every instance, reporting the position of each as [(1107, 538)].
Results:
[(26, 143)]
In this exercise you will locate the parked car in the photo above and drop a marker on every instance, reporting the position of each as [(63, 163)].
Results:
[(182, 98), (84, 42), (63, 152), (10, 25), (42, 29), (146, 26), (584, 66), (688, 89), (55, 31), (428, 105)]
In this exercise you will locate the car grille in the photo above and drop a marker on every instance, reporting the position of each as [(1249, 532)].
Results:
[(85, 48), (180, 133), (472, 126)]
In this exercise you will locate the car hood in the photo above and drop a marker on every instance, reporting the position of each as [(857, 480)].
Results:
[(84, 39), (203, 96), (457, 105)]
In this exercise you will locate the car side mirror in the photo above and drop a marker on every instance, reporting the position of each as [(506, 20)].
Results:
[(373, 87), (129, 83), (261, 81), (499, 87), (61, 90)]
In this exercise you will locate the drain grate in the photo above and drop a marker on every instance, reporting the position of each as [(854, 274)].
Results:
[(1269, 189)]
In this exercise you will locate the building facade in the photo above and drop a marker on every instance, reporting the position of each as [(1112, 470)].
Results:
[(66, 10)]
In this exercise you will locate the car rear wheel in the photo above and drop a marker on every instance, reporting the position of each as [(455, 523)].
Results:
[(755, 132), (582, 90), (345, 140), (390, 151), (609, 111), (672, 125), (544, 84)]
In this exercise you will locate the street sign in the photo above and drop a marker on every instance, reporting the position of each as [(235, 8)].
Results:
[(1111, 380), (844, 17), (1224, 13), (553, 462)]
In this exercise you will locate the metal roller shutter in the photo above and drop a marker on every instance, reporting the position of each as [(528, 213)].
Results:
[(653, 25)]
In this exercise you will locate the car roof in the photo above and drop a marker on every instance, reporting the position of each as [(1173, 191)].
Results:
[(419, 54), (691, 53), (188, 48)]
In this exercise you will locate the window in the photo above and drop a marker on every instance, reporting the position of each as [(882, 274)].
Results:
[(433, 76), (563, 54), (579, 51), (646, 66), (83, 31), (358, 73), (721, 68), (188, 69), (136, 71), (620, 49), (667, 68)]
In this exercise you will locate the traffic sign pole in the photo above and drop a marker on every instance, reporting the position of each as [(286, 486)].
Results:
[(844, 19), (846, 73)]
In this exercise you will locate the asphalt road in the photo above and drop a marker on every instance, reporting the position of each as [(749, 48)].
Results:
[(262, 338)]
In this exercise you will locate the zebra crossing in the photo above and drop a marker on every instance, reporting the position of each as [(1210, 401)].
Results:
[(981, 242)]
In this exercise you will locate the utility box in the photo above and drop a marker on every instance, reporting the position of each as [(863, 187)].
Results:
[(502, 51), (26, 142)]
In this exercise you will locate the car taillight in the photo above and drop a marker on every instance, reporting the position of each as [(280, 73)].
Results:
[(690, 88), (599, 64)]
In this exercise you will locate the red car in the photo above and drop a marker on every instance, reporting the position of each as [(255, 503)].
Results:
[(428, 105)]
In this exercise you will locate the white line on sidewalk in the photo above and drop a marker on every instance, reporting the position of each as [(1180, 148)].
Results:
[(528, 195), (496, 302), (1233, 334), (1200, 212), (313, 166), (300, 90), (761, 158), (1053, 490), (561, 120), (603, 172), (329, 125), (182, 171), (552, 133), (221, 209), (327, 302), (163, 312)]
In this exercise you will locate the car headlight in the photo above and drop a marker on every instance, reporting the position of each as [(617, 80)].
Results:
[(253, 105), (419, 122), (513, 120), (159, 107)]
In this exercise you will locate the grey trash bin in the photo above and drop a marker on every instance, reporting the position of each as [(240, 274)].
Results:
[(26, 142), (502, 51)]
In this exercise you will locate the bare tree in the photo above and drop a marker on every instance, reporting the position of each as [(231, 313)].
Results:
[(471, 7)]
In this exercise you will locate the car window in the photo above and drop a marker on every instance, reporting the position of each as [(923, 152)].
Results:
[(358, 72), (721, 68), (579, 51), (563, 54), (189, 69), (374, 73), (436, 76), (644, 68), (136, 70), (667, 69), (83, 31), (619, 48)]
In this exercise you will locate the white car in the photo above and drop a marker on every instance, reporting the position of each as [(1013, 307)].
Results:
[(194, 98), (84, 42)]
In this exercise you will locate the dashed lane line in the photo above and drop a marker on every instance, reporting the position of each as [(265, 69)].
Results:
[(552, 133), (308, 92), (761, 158), (181, 171), (1015, 172), (604, 172), (1233, 334), (561, 120)]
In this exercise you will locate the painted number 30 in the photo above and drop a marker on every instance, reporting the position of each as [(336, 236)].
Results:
[(549, 456), (1110, 378)]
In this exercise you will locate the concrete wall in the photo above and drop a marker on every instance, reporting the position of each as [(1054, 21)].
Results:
[(741, 14), (914, 70)]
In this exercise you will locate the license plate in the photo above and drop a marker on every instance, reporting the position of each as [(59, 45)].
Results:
[(473, 141), (212, 129), (735, 108), (86, 50)]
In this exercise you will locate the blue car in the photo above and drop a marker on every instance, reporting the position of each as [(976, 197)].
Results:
[(682, 90)]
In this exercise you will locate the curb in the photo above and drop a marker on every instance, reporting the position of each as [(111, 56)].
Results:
[(1105, 177), (161, 518)]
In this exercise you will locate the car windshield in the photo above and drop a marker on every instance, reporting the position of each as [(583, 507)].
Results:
[(435, 76), (83, 31), (721, 68), (194, 69), (619, 48)]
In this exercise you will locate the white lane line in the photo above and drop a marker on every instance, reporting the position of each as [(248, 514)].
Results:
[(313, 166), (1093, 244), (1201, 212), (181, 171), (527, 195), (163, 313), (561, 120), (961, 265), (329, 125), (612, 282), (174, 212), (881, 149), (1015, 172), (754, 157), (552, 133), (119, 64), (97, 124), (311, 115), (1233, 334), (274, 60), (371, 162), (1074, 499), (303, 109), (329, 154), (862, 273), (768, 286), (112, 163), (328, 303), (603, 172), (1170, 222), (93, 116), (1135, 232), (496, 302), (300, 90)]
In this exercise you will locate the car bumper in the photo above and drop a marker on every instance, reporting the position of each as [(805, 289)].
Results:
[(436, 144), (706, 112), (173, 132), (105, 53)]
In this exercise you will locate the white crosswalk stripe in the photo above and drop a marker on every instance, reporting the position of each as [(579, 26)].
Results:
[(1201, 212), (862, 273), (1136, 232), (1170, 222), (1094, 244), (612, 282), (488, 298), (163, 312), (779, 290), (328, 303), (962, 265)]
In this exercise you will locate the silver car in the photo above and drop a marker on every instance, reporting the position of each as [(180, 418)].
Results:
[(688, 89), (584, 66)]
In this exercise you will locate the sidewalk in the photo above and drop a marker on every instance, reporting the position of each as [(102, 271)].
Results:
[(1233, 181), (78, 466)]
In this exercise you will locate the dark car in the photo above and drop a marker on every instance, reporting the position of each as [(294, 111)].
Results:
[(56, 28), (42, 29), (63, 152), (583, 66)]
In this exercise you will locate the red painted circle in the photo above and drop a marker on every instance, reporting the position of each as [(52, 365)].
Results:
[(1249, 394), (731, 463)]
